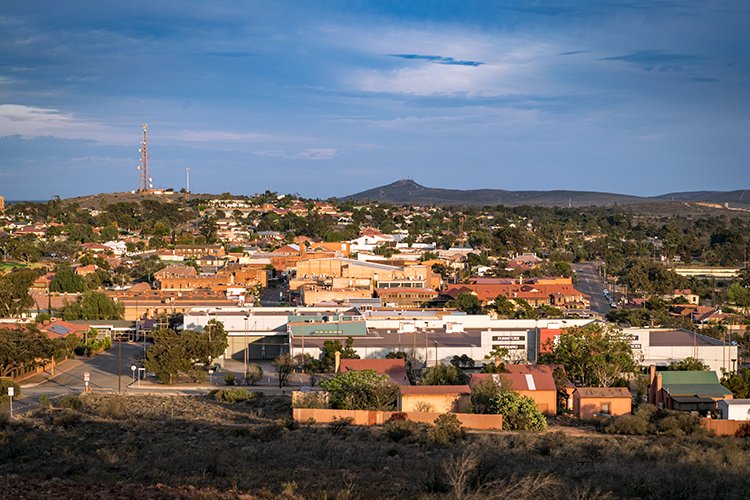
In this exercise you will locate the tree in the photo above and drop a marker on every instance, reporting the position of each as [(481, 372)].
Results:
[(689, 365), (484, 396), (93, 305), (361, 390), (67, 281), (444, 375), (14, 292), (284, 365), (739, 295), (738, 383), (497, 354), (519, 412), (254, 374), (467, 302), (23, 348), (504, 307), (187, 351), (168, 356), (462, 361), (593, 355)]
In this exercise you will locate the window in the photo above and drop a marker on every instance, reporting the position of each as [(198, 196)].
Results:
[(605, 408)]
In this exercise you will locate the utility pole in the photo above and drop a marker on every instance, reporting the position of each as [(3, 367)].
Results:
[(187, 183), (119, 366)]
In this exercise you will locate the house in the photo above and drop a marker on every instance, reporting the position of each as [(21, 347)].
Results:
[(534, 381), (434, 398), (734, 409), (86, 270), (686, 390), (395, 369), (590, 402)]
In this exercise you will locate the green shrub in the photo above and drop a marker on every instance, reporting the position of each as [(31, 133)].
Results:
[(113, 407), (628, 424), (447, 429), (229, 379), (361, 390), (311, 400), (44, 401), (520, 413), (339, 424), (254, 374), (649, 419), (405, 430), (234, 395), (69, 402), (743, 431)]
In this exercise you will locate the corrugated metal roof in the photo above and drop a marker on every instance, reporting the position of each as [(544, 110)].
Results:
[(697, 390)]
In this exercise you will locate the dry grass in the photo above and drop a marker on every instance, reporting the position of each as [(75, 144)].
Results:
[(179, 447)]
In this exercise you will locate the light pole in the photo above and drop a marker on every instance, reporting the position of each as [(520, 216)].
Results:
[(11, 393), (436, 352), (247, 319), (119, 365)]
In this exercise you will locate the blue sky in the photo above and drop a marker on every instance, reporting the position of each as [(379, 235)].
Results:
[(328, 98)]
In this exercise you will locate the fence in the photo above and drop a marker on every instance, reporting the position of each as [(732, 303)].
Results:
[(723, 427), (375, 417)]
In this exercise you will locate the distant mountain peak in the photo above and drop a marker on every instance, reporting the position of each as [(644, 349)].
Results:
[(407, 184)]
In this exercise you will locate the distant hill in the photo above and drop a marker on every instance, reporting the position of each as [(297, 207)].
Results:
[(409, 192)]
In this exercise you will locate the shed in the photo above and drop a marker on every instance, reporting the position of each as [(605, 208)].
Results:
[(734, 409), (589, 402), (434, 398)]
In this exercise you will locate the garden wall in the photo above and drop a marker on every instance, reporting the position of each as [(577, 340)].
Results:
[(373, 417)]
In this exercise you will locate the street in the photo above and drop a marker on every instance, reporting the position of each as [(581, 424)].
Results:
[(102, 370), (271, 296), (592, 284)]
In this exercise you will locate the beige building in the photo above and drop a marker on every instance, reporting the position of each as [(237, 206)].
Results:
[(347, 272)]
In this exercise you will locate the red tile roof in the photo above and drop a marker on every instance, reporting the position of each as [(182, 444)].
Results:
[(516, 376)]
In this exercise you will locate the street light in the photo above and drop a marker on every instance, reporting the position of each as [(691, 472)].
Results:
[(11, 393), (436, 352), (133, 368)]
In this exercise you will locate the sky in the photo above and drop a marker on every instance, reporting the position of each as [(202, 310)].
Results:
[(329, 98)]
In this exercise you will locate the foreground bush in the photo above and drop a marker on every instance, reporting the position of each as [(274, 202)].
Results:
[(650, 420), (315, 399), (234, 395), (398, 429), (361, 390), (520, 413), (447, 429)]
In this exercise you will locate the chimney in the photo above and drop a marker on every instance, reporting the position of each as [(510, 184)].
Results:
[(337, 362), (302, 250)]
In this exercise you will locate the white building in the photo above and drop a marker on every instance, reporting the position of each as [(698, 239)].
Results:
[(734, 409), (663, 346)]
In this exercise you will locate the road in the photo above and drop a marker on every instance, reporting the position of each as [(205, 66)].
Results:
[(269, 297), (592, 284), (102, 369)]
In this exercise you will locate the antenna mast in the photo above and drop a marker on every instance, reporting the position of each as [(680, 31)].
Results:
[(145, 181)]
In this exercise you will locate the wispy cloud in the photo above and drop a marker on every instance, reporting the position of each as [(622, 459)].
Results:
[(650, 60), (33, 121), (572, 52), (219, 136), (439, 59), (230, 53), (305, 154)]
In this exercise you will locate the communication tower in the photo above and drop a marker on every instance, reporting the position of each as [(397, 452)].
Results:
[(145, 182)]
